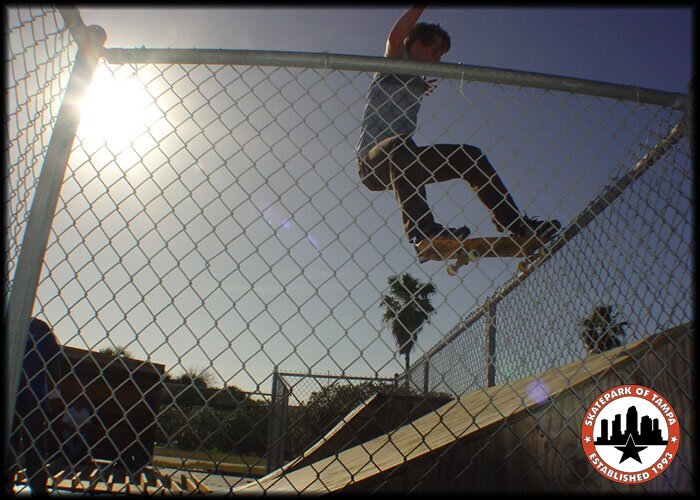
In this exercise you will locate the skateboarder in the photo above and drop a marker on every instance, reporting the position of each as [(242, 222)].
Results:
[(388, 157)]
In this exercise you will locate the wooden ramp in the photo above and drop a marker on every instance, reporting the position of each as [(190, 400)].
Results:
[(111, 479), (501, 440), (379, 414)]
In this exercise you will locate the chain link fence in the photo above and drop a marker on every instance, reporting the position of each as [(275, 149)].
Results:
[(211, 228), (38, 59), (643, 261), (305, 407)]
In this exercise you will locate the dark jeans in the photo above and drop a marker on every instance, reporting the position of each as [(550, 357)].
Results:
[(399, 164)]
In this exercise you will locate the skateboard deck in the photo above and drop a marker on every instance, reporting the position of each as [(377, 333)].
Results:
[(473, 249)]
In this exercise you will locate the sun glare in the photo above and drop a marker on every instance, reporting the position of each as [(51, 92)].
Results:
[(116, 109)]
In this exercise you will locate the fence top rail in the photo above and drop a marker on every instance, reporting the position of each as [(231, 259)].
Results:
[(328, 61)]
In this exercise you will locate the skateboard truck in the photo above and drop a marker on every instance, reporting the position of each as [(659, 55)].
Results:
[(471, 255)]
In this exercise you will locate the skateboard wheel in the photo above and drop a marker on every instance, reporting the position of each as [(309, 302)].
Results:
[(473, 254), (523, 266), (451, 270)]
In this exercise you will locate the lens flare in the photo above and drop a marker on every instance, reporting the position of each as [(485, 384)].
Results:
[(537, 391)]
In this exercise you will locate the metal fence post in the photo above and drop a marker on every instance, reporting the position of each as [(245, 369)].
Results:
[(276, 433), (426, 375), (31, 257), (491, 344), (272, 427)]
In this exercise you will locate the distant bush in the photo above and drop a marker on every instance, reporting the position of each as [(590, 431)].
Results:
[(239, 431)]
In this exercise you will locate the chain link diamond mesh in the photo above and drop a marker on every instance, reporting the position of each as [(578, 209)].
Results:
[(38, 59), (212, 230)]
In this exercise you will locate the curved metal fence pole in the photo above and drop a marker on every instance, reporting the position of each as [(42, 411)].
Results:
[(21, 303)]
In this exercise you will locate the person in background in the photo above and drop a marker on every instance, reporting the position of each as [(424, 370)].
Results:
[(56, 409), (40, 370), (74, 431)]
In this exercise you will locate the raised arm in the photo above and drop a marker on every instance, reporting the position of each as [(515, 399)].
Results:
[(402, 27)]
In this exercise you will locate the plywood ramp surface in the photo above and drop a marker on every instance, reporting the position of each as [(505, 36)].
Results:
[(377, 415), (429, 453)]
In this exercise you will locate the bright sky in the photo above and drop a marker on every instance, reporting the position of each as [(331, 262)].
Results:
[(246, 243)]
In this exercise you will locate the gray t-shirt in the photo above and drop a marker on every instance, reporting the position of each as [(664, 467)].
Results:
[(392, 108)]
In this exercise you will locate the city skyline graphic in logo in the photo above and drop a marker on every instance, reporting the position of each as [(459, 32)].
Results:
[(632, 441), (630, 434)]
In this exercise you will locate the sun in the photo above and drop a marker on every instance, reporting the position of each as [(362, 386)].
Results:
[(116, 109)]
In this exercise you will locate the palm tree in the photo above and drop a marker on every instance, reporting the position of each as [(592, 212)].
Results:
[(407, 307), (601, 330)]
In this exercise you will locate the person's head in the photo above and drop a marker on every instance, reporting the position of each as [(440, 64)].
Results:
[(38, 327), (427, 42)]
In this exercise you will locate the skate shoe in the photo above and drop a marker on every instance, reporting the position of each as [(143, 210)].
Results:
[(530, 227)]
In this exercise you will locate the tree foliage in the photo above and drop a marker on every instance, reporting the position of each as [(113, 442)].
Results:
[(243, 430), (324, 409), (196, 377), (116, 351), (240, 431), (407, 307), (601, 330)]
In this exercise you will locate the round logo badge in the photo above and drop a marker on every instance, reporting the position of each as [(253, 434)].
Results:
[(630, 434)]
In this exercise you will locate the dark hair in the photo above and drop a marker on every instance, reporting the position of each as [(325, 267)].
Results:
[(426, 33), (38, 327)]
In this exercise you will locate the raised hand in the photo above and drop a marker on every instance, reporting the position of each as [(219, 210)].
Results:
[(429, 86)]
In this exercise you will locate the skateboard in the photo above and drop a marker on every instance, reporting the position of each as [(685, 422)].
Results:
[(473, 249)]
